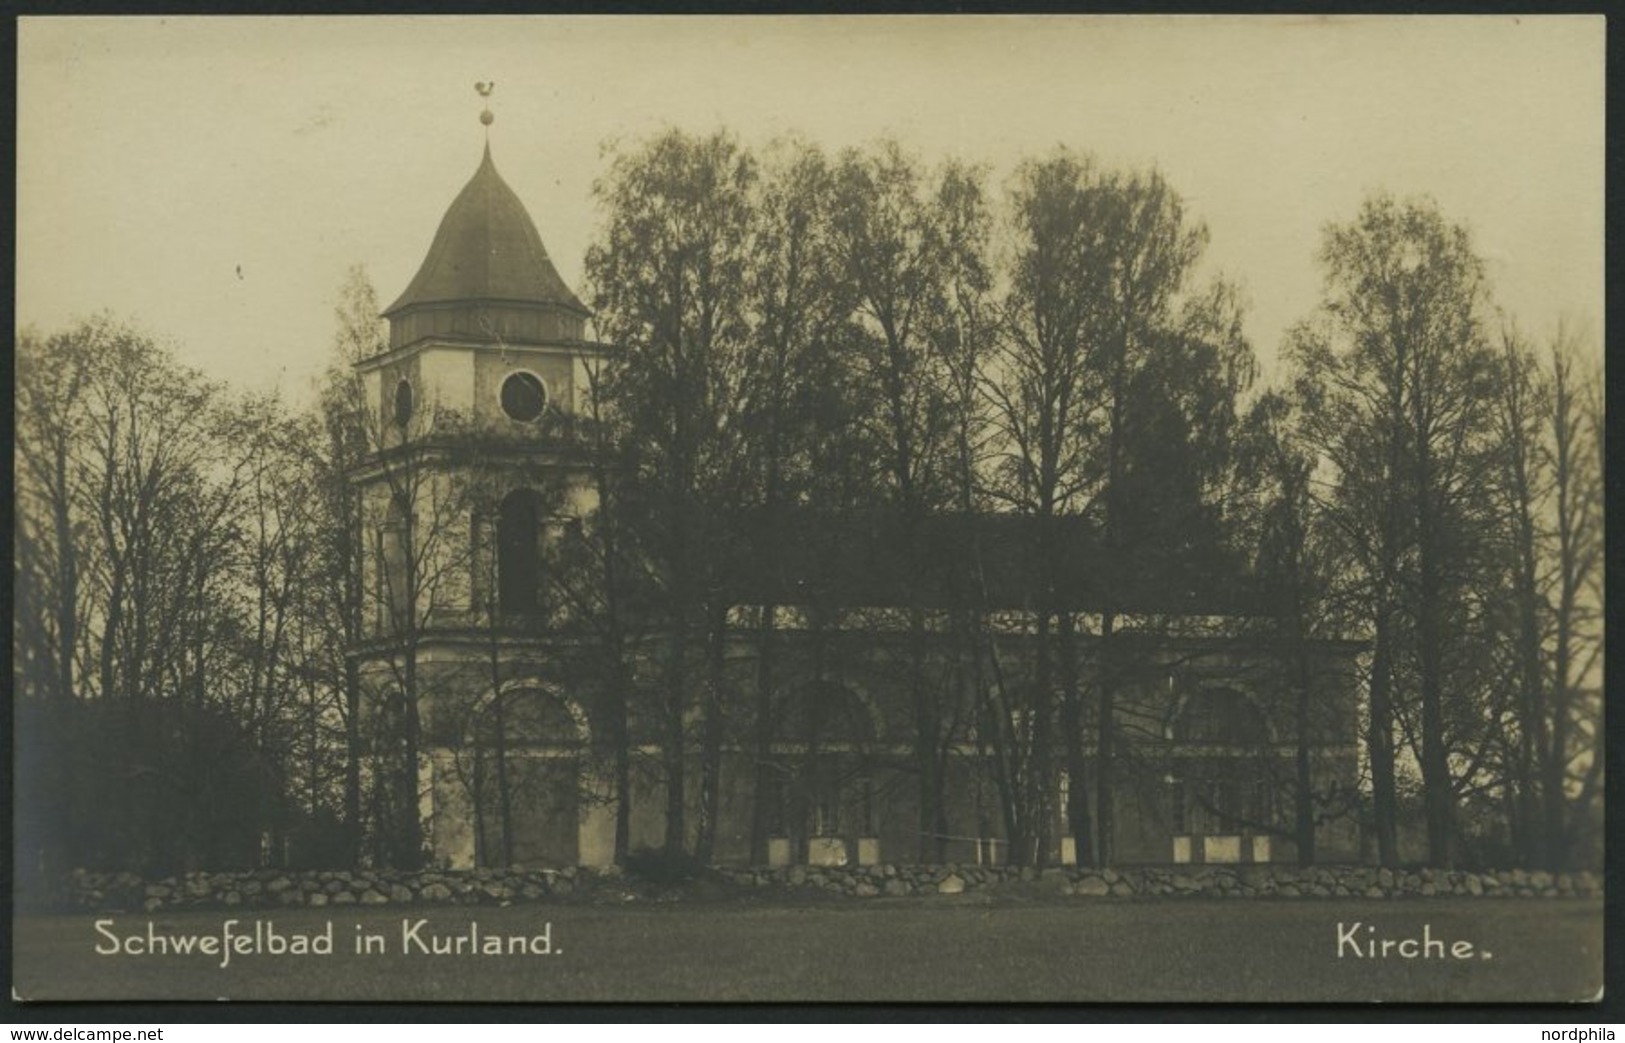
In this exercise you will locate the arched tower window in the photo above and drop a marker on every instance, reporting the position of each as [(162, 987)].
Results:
[(519, 555), (395, 551), (404, 404)]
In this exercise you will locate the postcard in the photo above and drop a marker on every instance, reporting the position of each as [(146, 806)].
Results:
[(802, 508)]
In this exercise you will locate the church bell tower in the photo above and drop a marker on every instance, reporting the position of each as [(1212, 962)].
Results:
[(477, 743)]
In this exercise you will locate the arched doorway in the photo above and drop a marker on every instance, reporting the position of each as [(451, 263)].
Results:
[(527, 777), (824, 799)]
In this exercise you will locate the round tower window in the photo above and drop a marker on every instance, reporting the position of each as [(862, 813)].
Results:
[(403, 403), (523, 397)]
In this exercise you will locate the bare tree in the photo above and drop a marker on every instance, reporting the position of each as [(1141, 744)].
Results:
[(1576, 477), (799, 302), (1402, 416), (601, 584), (1045, 402), (416, 502), (668, 274), (1298, 567), (135, 530), (893, 229), (1111, 401), (341, 447)]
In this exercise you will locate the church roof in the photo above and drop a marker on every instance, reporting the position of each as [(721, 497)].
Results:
[(859, 559), (487, 249)]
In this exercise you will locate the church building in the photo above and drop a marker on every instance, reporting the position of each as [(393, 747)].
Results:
[(476, 479)]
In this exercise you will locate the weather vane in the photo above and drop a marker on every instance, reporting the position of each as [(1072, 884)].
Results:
[(485, 90)]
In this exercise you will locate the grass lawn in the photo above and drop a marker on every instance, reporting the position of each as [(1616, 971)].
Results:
[(943, 949)]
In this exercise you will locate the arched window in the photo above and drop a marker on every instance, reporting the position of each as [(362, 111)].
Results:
[(829, 783), (1222, 716), (519, 554), (404, 403), (530, 717), (395, 552), (825, 713)]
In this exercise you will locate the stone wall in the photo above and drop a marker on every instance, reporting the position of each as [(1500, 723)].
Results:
[(1260, 881), (127, 892)]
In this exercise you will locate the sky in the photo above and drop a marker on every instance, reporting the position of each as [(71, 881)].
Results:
[(212, 179)]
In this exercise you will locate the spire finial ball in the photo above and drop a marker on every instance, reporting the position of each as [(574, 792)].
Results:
[(487, 118)]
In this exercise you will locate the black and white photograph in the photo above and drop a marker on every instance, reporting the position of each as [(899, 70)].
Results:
[(809, 508)]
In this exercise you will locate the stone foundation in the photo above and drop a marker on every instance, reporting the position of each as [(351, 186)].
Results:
[(262, 889)]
